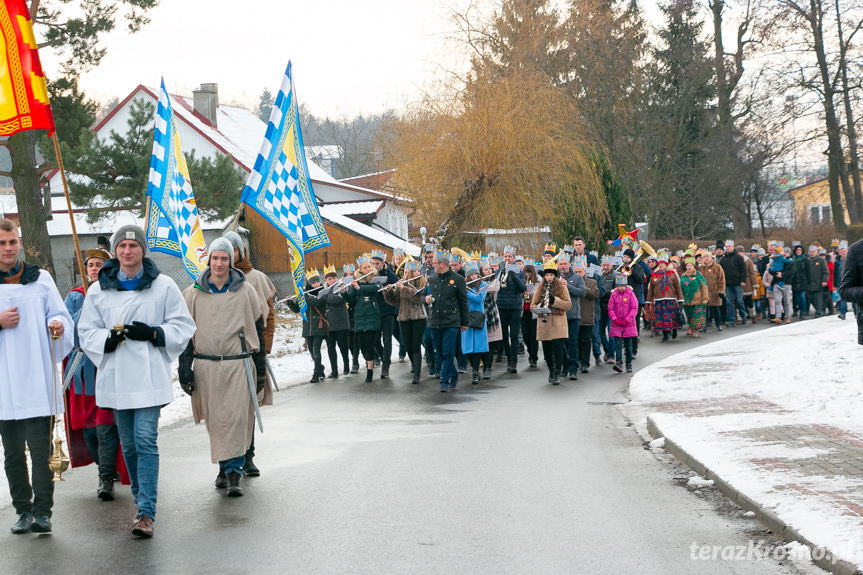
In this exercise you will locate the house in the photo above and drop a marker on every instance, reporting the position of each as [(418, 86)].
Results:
[(812, 205), (358, 218)]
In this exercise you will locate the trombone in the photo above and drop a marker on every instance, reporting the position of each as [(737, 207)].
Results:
[(626, 269)]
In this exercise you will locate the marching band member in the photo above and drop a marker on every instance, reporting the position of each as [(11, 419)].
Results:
[(587, 321), (509, 303), (363, 294), (384, 349), (494, 333), (408, 294), (318, 327), (552, 296), (348, 271), (577, 289), (338, 321), (474, 340)]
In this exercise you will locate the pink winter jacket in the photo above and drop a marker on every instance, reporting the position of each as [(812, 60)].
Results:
[(622, 308)]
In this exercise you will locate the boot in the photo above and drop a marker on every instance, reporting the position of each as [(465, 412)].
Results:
[(334, 374), (475, 378), (787, 320), (105, 492), (385, 372), (249, 467), (628, 368), (416, 378), (315, 378), (674, 334), (347, 369), (234, 489), (355, 366), (369, 374), (665, 336), (486, 373), (555, 378), (221, 479)]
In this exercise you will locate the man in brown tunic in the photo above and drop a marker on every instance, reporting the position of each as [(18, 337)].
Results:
[(224, 306)]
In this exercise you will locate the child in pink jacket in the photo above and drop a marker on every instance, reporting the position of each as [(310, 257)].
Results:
[(622, 309)]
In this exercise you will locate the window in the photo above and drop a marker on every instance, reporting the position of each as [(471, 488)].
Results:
[(815, 215)]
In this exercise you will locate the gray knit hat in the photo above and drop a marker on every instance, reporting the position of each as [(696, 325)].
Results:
[(237, 242), (222, 245), (129, 232)]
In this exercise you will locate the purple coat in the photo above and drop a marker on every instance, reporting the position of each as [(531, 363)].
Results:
[(622, 308)]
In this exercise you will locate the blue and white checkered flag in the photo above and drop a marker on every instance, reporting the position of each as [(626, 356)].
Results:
[(279, 187), (173, 226)]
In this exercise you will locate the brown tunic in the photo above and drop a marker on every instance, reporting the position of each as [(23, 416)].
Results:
[(221, 395)]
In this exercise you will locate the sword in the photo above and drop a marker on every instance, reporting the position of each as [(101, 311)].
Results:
[(253, 389), (272, 375), (71, 369)]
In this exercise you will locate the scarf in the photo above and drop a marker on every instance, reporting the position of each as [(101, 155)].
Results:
[(492, 317)]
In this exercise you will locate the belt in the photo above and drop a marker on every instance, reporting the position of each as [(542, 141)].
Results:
[(222, 357)]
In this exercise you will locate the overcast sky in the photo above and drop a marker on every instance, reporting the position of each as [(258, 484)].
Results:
[(349, 56)]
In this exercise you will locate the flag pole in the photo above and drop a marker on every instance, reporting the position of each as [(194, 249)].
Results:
[(237, 218), (71, 214)]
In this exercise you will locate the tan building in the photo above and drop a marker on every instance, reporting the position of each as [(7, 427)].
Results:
[(812, 206)]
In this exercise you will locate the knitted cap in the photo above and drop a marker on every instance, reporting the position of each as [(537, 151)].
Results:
[(222, 245), (129, 232), (237, 242)]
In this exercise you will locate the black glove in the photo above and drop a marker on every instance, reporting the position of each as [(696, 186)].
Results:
[(722, 296), (188, 385), (140, 331), (551, 299), (261, 382), (260, 360), (114, 339)]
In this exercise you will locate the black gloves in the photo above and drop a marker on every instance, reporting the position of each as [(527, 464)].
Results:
[(188, 385), (261, 382), (260, 360), (114, 339), (551, 299), (140, 331)]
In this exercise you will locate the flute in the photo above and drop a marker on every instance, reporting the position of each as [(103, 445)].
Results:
[(407, 281)]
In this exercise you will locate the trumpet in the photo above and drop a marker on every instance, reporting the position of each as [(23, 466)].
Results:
[(626, 269)]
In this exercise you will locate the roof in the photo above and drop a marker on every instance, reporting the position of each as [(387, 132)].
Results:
[(356, 208), (375, 181), (372, 234)]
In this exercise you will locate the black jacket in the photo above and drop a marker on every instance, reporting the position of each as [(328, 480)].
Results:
[(735, 269), (386, 309), (449, 308), (337, 311), (851, 284)]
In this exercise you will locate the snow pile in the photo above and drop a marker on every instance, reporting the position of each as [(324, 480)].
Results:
[(696, 482)]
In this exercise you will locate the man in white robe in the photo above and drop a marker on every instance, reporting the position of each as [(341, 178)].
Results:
[(134, 324), (30, 309)]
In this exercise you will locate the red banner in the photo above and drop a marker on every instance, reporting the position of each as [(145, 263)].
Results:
[(24, 101)]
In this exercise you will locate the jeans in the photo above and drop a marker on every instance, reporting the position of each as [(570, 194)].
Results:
[(107, 443), (428, 344), (233, 465), (35, 433), (384, 349), (714, 314), (571, 347), (595, 340), (843, 307), (139, 429), (444, 342), (619, 344), (510, 323), (734, 297), (799, 299)]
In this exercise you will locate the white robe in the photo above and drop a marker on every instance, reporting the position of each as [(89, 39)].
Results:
[(137, 374), (27, 374)]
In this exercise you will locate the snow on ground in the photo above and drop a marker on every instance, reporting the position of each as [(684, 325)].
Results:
[(290, 363), (808, 373)]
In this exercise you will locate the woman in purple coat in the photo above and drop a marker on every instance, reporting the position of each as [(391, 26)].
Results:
[(622, 309)]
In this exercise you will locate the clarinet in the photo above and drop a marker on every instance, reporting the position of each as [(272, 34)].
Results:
[(549, 290), (503, 275)]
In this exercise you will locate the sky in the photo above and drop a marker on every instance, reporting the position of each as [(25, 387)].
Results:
[(348, 56)]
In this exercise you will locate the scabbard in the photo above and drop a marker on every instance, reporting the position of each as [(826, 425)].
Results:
[(247, 363), (272, 375)]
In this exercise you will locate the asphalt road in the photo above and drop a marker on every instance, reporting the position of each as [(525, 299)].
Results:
[(510, 476)]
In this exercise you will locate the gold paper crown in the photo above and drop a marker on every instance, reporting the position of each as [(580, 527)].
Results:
[(329, 270), (835, 242), (550, 248), (475, 256), (312, 273)]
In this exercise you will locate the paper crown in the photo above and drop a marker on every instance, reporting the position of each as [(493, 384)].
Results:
[(493, 255), (329, 270), (701, 252), (349, 268), (550, 265), (579, 262), (618, 254), (398, 252), (379, 255), (693, 247), (484, 261), (518, 259), (412, 266), (509, 250), (813, 248), (835, 242), (689, 261), (471, 267), (564, 257), (594, 253), (680, 253), (312, 274), (822, 251), (429, 248), (606, 260), (755, 247), (441, 255), (843, 244), (795, 243), (662, 257), (761, 251), (454, 257), (364, 259), (621, 280), (729, 243), (475, 256), (550, 249), (568, 249)]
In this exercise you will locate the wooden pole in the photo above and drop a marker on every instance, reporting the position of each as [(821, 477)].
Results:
[(237, 218), (71, 214)]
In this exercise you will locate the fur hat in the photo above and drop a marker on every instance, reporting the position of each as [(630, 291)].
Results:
[(630, 253), (222, 244), (129, 232)]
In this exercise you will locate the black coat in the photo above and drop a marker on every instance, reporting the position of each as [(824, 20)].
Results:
[(735, 269), (385, 308), (851, 284), (449, 308), (337, 311)]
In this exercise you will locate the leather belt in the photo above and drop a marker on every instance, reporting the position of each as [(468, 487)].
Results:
[(221, 357)]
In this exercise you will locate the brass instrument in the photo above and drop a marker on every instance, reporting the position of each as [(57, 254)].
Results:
[(644, 247), (401, 266), (58, 461)]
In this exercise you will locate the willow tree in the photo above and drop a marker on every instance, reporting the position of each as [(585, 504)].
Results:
[(502, 152)]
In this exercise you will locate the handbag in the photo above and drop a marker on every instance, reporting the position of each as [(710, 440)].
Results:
[(475, 319)]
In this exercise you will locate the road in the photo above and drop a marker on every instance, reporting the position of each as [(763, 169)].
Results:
[(510, 476)]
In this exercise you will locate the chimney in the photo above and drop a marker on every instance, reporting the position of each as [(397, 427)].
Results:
[(206, 101)]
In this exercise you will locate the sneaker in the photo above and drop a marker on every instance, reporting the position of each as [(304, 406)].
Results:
[(585, 368), (462, 370), (486, 373), (41, 524), (401, 358), (385, 372), (475, 377), (333, 375), (573, 376), (105, 491), (841, 316), (618, 367), (628, 368), (532, 363), (597, 361), (25, 521)]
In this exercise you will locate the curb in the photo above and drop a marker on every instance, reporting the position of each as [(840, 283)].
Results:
[(829, 562)]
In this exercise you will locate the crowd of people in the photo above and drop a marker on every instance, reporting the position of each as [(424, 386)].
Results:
[(447, 313)]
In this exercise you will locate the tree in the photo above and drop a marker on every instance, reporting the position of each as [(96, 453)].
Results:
[(265, 106), (73, 29)]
